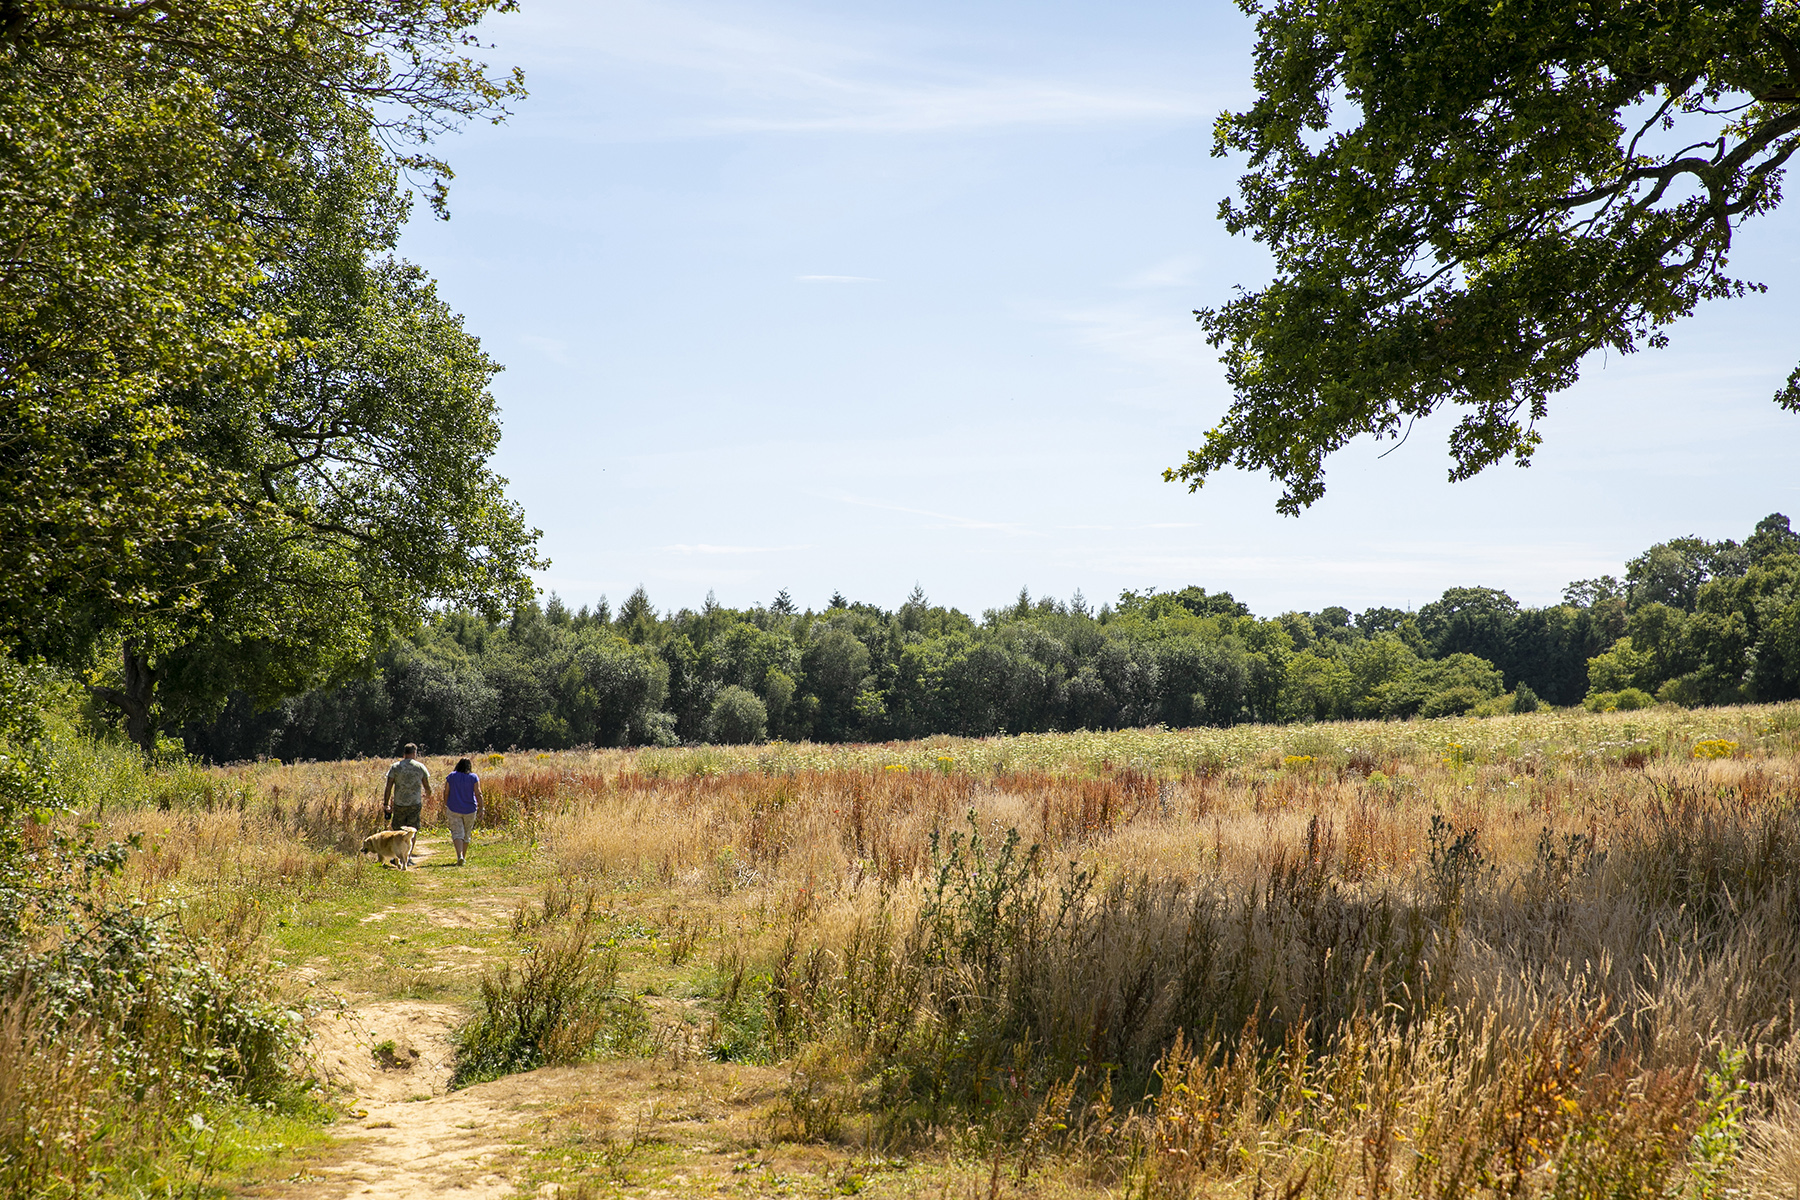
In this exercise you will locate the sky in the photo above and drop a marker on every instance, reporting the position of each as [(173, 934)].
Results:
[(846, 297)]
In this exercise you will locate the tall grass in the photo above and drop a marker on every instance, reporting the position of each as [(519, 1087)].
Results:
[(1595, 1018), (558, 1005), (1552, 954), (122, 1028), (1559, 960)]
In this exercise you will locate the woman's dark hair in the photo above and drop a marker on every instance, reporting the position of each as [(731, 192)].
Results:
[(464, 765)]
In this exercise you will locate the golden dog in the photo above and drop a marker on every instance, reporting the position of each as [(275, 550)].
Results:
[(395, 844)]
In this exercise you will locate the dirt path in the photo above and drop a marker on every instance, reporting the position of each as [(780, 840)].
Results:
[(409, 1135), (671, 1125), (413, 1136)]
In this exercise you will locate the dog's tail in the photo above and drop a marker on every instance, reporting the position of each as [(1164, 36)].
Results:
[(407, 829)]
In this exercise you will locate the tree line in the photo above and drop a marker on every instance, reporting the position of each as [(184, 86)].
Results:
[(1691, 622)]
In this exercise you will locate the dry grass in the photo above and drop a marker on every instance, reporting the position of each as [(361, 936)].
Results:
[(1555, 954)]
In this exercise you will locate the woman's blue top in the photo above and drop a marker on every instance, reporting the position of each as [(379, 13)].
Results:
[(459, 791)]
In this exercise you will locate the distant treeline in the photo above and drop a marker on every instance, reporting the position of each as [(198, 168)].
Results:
[(1692, 622)]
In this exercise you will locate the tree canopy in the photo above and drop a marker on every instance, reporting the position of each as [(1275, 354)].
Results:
[(1464, 199), (238, 438)]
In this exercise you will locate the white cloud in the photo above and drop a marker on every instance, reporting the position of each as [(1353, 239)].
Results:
[(1166, 342), (947, 520), (1164, 364), (927, 106), (551, 348), (704, 549), (734, 77), (1181, 271), (834, 279)]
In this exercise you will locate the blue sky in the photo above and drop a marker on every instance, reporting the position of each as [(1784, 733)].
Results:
[(848, 297)]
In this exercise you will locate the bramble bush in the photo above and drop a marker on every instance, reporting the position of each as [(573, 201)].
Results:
[(119, 1025)]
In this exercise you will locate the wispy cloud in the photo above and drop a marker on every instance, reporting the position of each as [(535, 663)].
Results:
[(1181, 271), (684, 549), (733, 77), (920, 106), (1164, 364), (1164, 341), (948, 520), (1134, 527), (551, 348), (835, 279)]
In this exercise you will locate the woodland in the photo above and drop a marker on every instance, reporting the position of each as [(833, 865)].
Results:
[(1692, 622)]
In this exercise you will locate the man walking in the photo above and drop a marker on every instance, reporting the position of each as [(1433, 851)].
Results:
[(408, 787)]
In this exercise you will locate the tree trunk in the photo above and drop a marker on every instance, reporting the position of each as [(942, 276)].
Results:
[(137, 701)]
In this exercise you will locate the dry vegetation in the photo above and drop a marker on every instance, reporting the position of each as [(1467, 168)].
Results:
[(1554, 954)]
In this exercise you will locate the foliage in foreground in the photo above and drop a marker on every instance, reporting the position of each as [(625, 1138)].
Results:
[(1316, 1022), (130, 1033), (1550, 955), (561, 1005), (1541, 955)]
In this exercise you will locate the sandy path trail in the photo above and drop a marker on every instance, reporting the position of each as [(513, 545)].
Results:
[(412, 1136), (677, 1124)]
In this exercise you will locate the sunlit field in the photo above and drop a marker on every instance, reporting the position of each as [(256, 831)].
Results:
[(1551, 954)]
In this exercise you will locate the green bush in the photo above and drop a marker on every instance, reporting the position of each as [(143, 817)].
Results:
[(1625, 700), (656, 729), (1451, 702), (121, 1028), (738, 717), (559, 1007)]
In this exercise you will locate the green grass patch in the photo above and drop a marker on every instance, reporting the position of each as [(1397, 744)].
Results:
[(230, 1148)]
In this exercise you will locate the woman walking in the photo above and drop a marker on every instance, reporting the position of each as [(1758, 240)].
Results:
[(462, 800)]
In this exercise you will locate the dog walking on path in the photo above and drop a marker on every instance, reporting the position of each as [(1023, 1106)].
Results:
[(392, 844)]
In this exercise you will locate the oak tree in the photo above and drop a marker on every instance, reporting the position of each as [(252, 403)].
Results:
[(240, 443), (1465, 199), (157, 160)]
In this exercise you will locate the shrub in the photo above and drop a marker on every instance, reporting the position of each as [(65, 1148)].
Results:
[(737, 717), (1625, 700), (1451, 702), (657, 729), (1524, 699), (118, 1026), (559, 1007)]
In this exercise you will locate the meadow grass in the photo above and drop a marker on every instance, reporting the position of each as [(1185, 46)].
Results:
[(1548, 954)]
